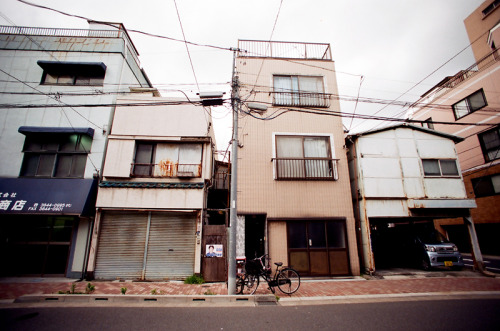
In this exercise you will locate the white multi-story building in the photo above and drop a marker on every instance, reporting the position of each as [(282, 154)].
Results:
[(58, 89)]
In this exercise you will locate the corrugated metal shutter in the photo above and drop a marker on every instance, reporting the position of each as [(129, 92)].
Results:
[(120, 252), (171, 248)]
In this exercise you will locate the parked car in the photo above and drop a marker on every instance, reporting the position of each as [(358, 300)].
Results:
[(434, 250)]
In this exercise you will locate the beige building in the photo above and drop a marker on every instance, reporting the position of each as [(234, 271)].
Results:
[(294, 199), (152, 196), (471, 100)]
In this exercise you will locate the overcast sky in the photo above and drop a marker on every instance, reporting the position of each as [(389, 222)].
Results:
[(393, 44)]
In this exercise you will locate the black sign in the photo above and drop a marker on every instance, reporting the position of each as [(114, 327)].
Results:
[(61, 196)]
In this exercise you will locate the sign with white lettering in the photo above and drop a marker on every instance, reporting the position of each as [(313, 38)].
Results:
[(47, 196)]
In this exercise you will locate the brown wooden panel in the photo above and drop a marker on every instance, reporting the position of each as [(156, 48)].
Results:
[(214, 268), (300, 261), (339, 263), (319, 262)]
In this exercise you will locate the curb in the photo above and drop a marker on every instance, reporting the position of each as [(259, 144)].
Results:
[(300, 301), (163, 300)]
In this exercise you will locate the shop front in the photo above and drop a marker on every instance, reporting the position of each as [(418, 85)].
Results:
[(45, 226)]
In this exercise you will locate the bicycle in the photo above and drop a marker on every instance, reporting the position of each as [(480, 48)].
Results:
[(285, 278)]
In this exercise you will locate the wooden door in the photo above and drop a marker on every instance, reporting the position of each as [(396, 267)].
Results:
[(214, 269)]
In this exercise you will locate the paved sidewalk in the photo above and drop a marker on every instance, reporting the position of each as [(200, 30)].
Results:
[(413, 284)]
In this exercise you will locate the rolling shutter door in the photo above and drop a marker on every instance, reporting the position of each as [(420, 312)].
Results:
[(171, 247), (122, 238)]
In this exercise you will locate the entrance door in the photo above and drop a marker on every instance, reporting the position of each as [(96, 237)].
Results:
[(36, 245), (318, 248), (254, 236)]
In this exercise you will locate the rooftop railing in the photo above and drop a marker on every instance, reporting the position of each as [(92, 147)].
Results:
[(283, 49), (82, 33), (56, 32), (463, 75)]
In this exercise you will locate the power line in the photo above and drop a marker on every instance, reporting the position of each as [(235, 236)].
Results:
[(269, 44), (129, 30), (423, 79)]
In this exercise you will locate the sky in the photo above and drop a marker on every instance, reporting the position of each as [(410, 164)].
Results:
[(382, 48)]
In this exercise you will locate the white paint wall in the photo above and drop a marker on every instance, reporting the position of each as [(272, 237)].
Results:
[(390, 166)]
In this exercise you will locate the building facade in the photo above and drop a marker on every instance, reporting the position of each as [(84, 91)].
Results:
[(293, 183), (58, 90), (471, 99), (152, 198), (403, 177)]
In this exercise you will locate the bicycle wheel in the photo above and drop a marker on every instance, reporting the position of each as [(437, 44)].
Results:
[(288, 281), (249, 284), (239, 284)]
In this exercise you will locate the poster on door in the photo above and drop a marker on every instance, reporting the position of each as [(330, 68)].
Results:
[(213, 250)]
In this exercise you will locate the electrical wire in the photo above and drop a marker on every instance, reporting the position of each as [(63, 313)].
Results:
[(129, 30)]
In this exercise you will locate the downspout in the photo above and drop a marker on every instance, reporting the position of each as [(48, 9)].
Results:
[(87, 252)]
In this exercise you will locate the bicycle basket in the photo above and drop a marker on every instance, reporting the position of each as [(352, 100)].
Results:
[(253, 267)]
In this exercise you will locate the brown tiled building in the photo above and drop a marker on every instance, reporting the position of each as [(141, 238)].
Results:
[(471, 99), (293, 183)]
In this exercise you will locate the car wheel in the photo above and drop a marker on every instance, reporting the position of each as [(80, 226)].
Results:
[(425, 265)]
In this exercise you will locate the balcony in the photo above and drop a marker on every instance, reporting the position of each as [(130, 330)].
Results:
[(165, 170), (284, 50), (301, 99), (306, 168)]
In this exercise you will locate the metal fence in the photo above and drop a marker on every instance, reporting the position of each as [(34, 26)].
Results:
[(282, 49), (54, 32), (310, 168)]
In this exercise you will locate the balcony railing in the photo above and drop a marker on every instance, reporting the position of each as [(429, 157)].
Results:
[(221, 181), (286, 50), (165, 169), (306, 168), (301, 99), (463, 75)]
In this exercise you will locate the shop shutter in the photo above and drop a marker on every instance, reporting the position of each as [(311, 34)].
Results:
[(120, 251), (171, 247)]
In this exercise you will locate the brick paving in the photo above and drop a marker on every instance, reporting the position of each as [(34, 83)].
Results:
[(308, 288)]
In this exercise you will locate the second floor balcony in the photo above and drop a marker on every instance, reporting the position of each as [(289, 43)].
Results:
[(306, 168), (166, 170)]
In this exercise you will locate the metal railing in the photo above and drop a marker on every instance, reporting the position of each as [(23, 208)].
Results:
[(283, 49), (464, 75), (301, 99), (306, 168), (56, 32), (221, 181), (165, 169)]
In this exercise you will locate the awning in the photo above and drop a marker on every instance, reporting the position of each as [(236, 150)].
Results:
[(61, 196), (74, 68), (48, 129)]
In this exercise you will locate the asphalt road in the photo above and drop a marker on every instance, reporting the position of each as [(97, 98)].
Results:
[(465, 314), (491, 263)]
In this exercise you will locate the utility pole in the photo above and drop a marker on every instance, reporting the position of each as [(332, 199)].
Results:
[(233, 217)]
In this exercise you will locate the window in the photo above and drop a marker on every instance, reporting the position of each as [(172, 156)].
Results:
[(167, 160), (56, 155), (304, 157), (486, 186), (490, 144), (440, 168), (473, 102), (491, 7), (72, 73), (428, 123), (300, 91)]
